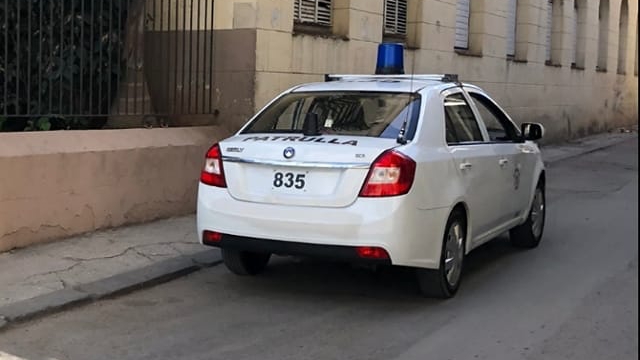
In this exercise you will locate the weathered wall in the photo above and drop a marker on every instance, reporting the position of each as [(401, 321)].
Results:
[(569, 101), (57, 184)]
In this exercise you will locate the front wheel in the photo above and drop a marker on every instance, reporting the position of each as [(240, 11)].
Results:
[(444, 282), (245, 262), (529, 234)]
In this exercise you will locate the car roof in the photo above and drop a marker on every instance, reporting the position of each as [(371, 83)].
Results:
[(379, 83)]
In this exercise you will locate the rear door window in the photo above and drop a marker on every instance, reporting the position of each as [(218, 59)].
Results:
[(371, 114), (460, 124)]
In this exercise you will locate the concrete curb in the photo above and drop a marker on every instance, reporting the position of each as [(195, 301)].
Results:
[(163, 271), (119, 284)]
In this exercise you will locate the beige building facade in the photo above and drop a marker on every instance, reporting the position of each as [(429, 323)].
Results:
[(569, 64)]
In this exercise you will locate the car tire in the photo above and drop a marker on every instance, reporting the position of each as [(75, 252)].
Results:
[(529, 234), (443, 283), (245, 262)]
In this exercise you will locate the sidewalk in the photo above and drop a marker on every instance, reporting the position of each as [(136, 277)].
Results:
[(50, 277), (47, 277), (553, 153)]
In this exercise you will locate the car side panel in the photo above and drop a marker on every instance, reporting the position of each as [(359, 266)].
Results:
[(442, 183), (537, 168)]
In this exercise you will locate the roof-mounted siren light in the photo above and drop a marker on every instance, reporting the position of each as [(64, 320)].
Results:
[(390, 59)]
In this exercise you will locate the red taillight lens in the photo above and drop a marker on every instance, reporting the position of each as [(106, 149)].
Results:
[(211, 237), (213, 172), (369, 252), (390, 175)]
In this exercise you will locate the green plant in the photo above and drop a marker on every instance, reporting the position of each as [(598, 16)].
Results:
[(62, 63), (42, 123)]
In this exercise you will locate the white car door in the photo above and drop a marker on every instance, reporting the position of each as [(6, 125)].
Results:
[(514, 163), (475, 160)]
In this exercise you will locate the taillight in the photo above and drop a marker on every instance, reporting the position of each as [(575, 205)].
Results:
[(211, 237), (390, 175), (212, 172), (369, 252)]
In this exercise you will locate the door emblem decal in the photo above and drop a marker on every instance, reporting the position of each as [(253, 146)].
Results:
[(288, 153), (516, 177)]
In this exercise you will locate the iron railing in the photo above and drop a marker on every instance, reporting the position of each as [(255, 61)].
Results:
[(86, 63)]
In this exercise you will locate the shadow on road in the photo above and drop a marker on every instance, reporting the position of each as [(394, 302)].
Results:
[(313, 278)]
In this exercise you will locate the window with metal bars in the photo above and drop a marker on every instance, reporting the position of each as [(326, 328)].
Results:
[(395, 17), (312, 12)]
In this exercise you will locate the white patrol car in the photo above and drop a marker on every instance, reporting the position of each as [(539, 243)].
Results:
[(389, 169)]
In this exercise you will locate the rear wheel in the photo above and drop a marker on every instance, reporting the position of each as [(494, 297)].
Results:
[(529, 234), (444, 282), (245, 262)]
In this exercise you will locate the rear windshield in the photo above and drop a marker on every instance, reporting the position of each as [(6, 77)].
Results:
[(372, 114)]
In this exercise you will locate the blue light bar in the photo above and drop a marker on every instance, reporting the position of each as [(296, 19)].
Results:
[(390, 59)]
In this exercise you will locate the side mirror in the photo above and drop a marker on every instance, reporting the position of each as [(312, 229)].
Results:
[(310, 125), (532, 131)]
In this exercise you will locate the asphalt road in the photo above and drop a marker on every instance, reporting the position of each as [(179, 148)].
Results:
[(574, 297)]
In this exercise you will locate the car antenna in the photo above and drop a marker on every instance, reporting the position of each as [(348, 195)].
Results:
[(402, 139)]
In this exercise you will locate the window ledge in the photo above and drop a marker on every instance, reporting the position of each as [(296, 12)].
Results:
[(467, 52), (622, 73), (397, 38), (601, 70), (316, 30), (550, 63), (515, 60), (576, 67)]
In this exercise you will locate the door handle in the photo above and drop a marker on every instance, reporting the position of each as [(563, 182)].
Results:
[(466, 166), (503, 162)]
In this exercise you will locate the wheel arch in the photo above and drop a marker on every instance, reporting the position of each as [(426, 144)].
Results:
[(462, 207), (542, 178)]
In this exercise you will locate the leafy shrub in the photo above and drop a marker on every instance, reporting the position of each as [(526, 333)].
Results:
[(59, 62)]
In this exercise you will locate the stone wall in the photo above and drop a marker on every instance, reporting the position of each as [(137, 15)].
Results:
[(62, 183)]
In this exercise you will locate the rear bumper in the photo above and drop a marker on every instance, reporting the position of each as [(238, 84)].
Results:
[(410, 236), (336, 252)]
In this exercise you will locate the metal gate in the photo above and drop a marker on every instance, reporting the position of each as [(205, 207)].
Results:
[(77, 64)]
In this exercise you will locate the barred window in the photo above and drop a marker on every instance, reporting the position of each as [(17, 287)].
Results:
[(316, 12), (395, 17)]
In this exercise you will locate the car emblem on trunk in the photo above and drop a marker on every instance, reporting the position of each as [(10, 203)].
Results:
[(288, 153)]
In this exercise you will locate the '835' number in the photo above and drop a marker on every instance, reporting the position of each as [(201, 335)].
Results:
[(289, 180)]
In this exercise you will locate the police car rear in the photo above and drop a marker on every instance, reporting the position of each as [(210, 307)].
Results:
[(306, 169)]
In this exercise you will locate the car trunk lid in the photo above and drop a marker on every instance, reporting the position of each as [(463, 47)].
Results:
[(292, 169)]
